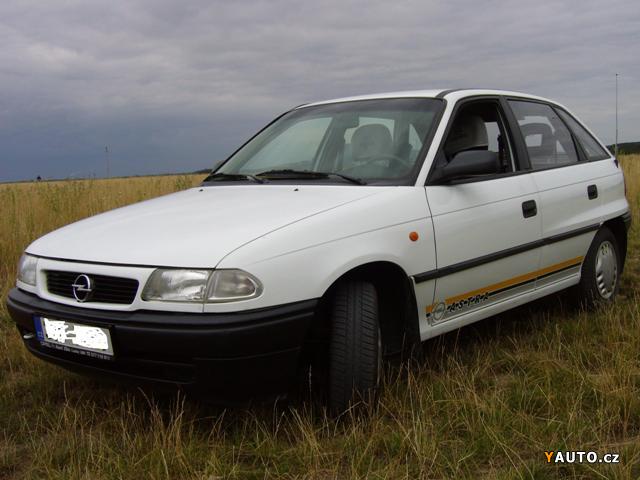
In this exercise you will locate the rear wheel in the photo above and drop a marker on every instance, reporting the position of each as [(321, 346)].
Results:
[(600, 270), (355, 346)]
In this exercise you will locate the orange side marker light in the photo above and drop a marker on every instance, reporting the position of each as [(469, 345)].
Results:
[(413, 236)]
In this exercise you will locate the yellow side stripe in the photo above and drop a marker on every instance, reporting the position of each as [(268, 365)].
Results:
[(511, 281)]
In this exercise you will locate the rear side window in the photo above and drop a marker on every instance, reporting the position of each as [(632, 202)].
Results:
[(549, 141), (591, 147)]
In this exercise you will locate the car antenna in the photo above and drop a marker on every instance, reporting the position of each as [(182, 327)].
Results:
[(616, 145)]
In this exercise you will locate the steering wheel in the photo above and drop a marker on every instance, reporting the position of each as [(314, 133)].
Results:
[(381, 157), (378, 159), (394, 159)]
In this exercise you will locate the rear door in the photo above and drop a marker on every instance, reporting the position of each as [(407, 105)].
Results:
[(569, 185), (487, 228)]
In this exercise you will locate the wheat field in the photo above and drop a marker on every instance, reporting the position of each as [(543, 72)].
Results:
[(486, 402)]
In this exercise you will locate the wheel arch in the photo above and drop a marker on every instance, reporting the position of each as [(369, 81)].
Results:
[(397, 304), (619, 230)]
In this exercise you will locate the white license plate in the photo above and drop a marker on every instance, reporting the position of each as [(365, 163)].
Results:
[(74, 337)]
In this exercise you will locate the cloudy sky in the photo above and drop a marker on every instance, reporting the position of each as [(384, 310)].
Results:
[(175, 86)]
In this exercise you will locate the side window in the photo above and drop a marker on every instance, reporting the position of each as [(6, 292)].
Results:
[(479, 126), (591, 147), (549, 141)]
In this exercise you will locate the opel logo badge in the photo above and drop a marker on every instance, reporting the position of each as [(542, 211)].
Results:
[(82, 288)]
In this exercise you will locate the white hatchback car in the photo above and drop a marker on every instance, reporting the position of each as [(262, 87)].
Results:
[(342, 232)]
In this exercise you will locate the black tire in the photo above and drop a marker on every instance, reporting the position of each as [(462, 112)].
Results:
[(355, 347), (591, 292)]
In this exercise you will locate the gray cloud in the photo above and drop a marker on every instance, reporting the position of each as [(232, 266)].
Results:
[(174, 86)]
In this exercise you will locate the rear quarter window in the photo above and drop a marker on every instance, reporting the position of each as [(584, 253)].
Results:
[(590, 145)]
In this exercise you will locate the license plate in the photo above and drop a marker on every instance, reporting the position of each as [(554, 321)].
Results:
[(74, 337)]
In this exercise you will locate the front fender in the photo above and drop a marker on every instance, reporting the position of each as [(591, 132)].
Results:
[(302, 260)]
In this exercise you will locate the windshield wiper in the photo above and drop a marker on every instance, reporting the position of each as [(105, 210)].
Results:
[(290, 173), (232, 177), (357, 181)]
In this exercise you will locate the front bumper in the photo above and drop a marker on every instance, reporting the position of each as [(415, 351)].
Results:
[(231, 355)]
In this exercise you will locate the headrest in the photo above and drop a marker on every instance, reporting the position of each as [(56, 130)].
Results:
[(547, 144), (369, 140), (467, 133), (536, 129)]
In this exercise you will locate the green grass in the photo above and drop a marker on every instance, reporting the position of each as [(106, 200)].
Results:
[(487, 401)]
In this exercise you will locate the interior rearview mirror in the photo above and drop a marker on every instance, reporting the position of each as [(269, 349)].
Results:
[(471, 162)]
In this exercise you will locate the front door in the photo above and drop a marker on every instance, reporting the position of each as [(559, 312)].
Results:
[(487, 228)]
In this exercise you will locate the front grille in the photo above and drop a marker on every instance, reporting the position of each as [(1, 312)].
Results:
[(106, 289)]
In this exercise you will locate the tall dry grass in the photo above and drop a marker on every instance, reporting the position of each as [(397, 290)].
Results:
[(631, 166), (486, 403)]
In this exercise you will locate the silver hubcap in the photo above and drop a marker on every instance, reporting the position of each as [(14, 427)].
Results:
[(606, 270)]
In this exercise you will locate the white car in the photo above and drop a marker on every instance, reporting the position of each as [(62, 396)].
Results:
[(343, 232)]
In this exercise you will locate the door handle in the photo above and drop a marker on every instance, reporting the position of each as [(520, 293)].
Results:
[(529, 208), (592, 192)]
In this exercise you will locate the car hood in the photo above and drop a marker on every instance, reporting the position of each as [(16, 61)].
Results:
[(193, 228)]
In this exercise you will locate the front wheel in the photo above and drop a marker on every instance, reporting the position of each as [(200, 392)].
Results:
[(600, 270), (355, 347)]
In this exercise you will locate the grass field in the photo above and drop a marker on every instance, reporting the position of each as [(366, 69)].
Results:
[(487, 402)]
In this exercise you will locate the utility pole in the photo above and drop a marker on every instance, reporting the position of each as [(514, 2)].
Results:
[(616, 148), (106, 153)]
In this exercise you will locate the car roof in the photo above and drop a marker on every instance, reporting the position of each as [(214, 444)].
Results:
[(449, 94)]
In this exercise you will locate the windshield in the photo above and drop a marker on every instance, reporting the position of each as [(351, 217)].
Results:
[(367, 141)]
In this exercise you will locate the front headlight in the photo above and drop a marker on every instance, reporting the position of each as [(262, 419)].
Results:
[(200, 286), (27, 269)]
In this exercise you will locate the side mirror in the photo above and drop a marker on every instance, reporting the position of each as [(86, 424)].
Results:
[(471, 162)]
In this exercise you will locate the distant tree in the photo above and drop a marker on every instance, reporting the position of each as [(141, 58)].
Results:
[(626, 148), (39, 178)]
